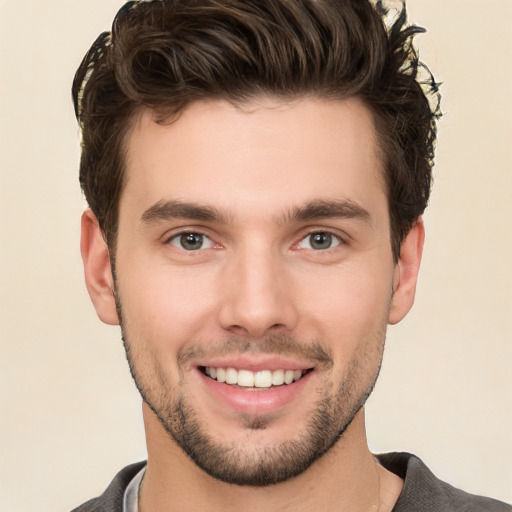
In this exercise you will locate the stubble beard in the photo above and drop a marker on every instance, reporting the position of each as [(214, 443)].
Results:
[(263, 465), (271, 464)]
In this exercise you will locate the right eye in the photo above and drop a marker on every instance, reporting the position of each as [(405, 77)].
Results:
[(190, 241), (320, 241)]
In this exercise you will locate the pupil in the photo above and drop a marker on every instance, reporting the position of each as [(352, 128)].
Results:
[(191, 241), (321, 241)]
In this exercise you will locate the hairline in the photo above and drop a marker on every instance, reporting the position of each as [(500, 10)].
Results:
[(167, 113)]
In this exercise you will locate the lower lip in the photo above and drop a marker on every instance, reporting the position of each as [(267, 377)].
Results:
[(253, 400)]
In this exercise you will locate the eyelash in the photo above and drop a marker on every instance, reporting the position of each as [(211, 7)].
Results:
[(332, 237), (177, 236)]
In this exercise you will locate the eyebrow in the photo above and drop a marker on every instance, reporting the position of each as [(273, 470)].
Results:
[(327, 209), (316, 209), (173, 209)]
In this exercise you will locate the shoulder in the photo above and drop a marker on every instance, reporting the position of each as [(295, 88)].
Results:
[(424, 491), (112, 499)]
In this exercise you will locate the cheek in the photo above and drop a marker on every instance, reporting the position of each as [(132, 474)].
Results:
[(349, 306), (164, 305)]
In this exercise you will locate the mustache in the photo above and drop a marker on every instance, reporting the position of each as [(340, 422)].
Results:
[(276, 345)]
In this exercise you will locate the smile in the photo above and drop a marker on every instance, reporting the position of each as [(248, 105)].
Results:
[(263, 379)]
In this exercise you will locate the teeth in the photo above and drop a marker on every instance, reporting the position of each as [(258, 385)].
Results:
[(288, 376), (248, 379), (245, 379), (221, 375), (263, 379), (278, 377), (231, 376)]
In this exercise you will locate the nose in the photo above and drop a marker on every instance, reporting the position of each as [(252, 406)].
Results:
[(257, 296)]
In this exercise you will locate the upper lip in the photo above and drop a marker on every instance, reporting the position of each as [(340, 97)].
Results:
[(254, 363)]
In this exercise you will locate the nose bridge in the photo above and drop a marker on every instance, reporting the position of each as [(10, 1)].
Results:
[(256, 296)]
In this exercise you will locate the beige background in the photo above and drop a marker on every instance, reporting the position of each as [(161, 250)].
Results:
[(70, 415)]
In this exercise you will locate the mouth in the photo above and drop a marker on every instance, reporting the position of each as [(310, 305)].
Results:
[(253, 380), (251, 387)]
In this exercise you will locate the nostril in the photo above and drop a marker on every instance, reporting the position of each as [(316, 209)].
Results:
[(238, 329)]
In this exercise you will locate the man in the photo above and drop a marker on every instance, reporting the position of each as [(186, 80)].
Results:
[(256, 174)]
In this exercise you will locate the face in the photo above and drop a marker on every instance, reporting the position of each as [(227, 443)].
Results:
[(255, 279)]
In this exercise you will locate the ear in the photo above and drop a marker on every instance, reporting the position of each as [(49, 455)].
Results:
[(98, 273), (406, 272)]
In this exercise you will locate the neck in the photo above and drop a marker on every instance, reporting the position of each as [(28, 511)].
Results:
[(346, 479)]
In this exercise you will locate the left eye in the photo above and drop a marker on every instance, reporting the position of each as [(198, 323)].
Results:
[(319, 241), (191, 241)]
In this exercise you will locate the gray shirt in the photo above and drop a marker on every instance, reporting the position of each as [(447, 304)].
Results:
[(131, 494), (422, 491)]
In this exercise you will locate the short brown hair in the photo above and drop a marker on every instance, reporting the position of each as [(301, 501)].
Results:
[(166, 54)]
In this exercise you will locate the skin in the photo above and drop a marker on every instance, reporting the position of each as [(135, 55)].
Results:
[(256, 279)]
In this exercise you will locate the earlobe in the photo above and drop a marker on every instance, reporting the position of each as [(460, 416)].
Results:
[(98, 273), (406, 272)]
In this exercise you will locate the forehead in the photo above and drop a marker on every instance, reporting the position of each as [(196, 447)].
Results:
[(267, 154)]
